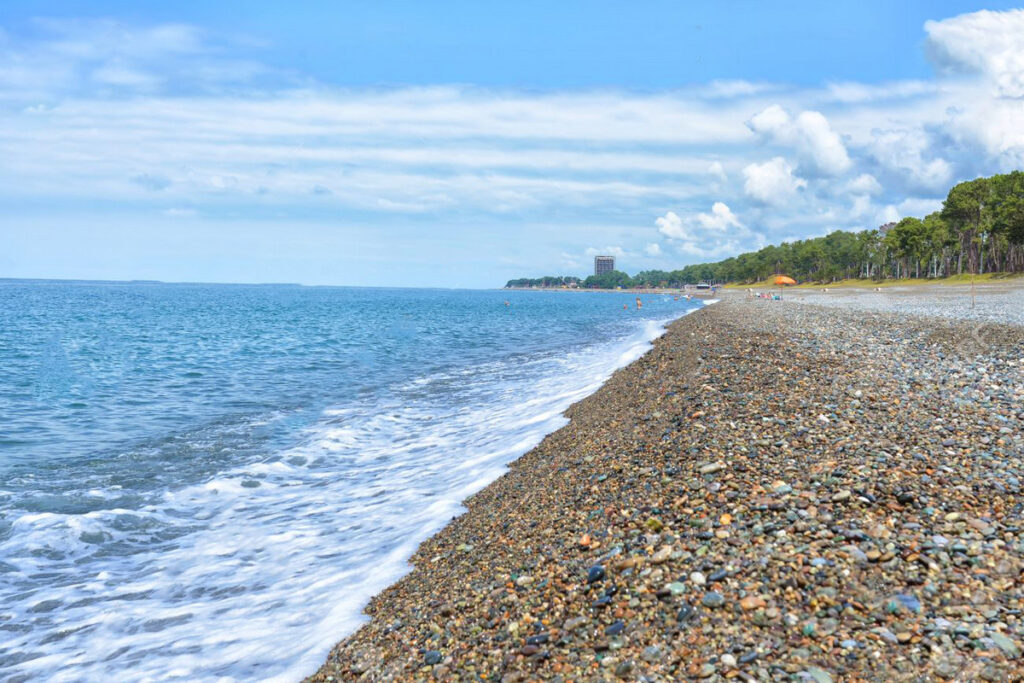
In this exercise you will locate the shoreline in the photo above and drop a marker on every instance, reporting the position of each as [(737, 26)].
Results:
[(711, 444)]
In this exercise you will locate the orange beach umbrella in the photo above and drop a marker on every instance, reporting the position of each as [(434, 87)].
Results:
[(783, 280)]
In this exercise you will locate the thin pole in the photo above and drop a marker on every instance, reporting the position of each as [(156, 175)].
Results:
[(972, 289)]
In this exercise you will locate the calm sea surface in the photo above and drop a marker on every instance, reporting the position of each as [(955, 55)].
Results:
[(208, 482)]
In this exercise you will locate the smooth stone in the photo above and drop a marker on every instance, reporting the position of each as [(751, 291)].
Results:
[(819, 675), (616, 628), (910, 602), (685, 614), (698, 579), (573, 623), (624, 669), (662, 555), (751, 602), (713, 599), (596, 573), (432, 657), (1005, 644), (651, 653)]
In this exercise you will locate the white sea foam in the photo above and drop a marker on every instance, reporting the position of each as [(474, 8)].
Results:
[(257, 572)]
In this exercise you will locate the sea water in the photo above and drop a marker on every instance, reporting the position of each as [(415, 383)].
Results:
[(209, 482)]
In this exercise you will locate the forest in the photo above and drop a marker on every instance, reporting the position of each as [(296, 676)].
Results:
[(980, 229)]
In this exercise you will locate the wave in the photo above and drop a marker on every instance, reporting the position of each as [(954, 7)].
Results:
[(258, 571)]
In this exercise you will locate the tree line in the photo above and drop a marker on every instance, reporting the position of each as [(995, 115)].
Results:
[(980, 229), (546, 281)]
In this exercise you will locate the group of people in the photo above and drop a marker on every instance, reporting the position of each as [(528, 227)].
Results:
[(751, 294)]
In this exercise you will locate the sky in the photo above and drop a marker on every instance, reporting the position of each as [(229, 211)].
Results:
[(461, 144)]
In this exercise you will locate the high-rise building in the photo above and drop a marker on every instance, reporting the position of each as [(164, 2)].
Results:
[(603, 264)]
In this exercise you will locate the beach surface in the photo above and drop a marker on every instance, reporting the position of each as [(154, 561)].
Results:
[(777, 489)]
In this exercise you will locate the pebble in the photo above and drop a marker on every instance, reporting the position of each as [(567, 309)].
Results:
[(662, 555), (1005, 644), (615, 629), (752, 602), (713, 599), (595, 574), (651, 653), (624, 669), (819, 675)]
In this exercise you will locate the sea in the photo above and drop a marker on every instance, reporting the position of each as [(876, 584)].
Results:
[(209, 482)]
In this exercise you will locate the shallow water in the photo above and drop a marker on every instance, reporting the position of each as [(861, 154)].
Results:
[(208, 482)]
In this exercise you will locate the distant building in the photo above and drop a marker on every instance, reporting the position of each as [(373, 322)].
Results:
[(603, 264)]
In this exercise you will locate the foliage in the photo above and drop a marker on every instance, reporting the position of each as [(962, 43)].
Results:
[(546, 281), (609, 280), (980, 229)]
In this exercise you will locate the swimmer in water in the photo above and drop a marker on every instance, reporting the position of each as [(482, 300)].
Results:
[(639, 305)]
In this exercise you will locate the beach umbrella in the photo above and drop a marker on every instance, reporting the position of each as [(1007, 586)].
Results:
[(783, 280)]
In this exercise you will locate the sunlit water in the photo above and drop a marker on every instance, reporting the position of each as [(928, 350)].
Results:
[(206, 482)]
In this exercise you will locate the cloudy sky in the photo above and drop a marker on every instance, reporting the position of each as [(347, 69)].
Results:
[(456, 144)]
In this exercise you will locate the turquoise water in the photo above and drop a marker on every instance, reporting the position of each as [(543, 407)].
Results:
[(204, 482)]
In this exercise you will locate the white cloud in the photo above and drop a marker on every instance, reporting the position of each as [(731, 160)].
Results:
[(889, 214), (861, 206), (772, 182), (570, 261), (671, 225), (617, 252), (817, 145), (865, 184), (708, 234), (906, 152), (986, 43), (721, 218), (653, 249), (717, 170), (920, 206), (737, 88), (857, 93)]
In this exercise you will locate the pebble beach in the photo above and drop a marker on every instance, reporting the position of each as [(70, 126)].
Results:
[(776, 491)]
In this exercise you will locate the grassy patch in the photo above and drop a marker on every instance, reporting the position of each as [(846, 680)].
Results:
[(861, 283)]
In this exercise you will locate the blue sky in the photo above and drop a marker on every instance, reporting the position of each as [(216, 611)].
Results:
[(462, 144)]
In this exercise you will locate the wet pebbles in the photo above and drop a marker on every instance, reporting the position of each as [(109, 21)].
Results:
[(774, 492)]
